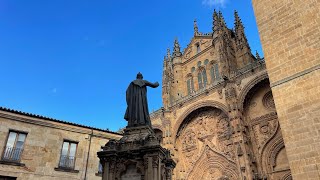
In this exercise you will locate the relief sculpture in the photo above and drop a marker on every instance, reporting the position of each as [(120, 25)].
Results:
[(205, 131)]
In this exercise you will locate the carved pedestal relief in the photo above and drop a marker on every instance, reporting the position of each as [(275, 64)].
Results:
[(131, 173)]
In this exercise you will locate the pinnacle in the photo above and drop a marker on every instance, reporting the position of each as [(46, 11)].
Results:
[(237, 20), (195, 27), (258, 56)]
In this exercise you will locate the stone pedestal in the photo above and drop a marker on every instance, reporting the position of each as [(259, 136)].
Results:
[(138, 155)]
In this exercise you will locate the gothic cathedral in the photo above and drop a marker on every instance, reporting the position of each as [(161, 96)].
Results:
[(218, 117)]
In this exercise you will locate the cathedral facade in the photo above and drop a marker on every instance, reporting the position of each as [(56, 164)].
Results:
[(218, 117)]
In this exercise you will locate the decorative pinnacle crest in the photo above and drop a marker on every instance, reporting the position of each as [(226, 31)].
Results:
[(215, 21), (168, 53), (222, 22), (258, 56), (237, 21), (195, 27), (176, 49)]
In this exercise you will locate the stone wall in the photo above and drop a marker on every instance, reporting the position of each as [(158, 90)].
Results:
[(289, 32), (42, 148), (193, 130)]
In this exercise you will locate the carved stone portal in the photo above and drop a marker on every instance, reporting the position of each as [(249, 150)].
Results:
[(205, 147), (138, 155)]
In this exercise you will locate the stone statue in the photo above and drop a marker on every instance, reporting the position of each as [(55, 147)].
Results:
[(137, 113)]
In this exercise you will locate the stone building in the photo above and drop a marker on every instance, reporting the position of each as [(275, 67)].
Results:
[(218, 117), (37, 147), (290, 36)]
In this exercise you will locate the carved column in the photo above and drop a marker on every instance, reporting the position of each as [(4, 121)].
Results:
[(155, 163), (241, 138), (145, 163)]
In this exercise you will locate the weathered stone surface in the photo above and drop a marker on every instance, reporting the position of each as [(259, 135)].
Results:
[(137, 155), (289, 33), (42, 148), (228, 129)]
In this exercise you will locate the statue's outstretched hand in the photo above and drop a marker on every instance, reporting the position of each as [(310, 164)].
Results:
[(156, 84)]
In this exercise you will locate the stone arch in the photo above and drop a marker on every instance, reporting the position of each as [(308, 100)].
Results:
[(287, 176), (182, 118), (270, 152), (245, 90), (214, 160)]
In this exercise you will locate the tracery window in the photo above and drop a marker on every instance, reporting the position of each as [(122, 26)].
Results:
[(206, 62), (190, 85), (198, 48), (214, 72), (199, 63), (202, 79)]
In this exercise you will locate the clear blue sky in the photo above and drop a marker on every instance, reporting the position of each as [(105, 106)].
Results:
[(73, 59)]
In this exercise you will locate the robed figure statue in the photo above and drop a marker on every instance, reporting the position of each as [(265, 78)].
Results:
[(137, 113)]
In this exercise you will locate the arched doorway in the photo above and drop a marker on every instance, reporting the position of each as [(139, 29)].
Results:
[(266, 139), (204, 140)]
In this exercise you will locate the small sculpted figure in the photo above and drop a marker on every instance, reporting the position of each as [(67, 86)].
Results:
[(137, 113)]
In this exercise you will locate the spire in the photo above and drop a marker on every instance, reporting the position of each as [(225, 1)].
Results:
[(195, 27), (176, 49), (237, 22), (258, 56), (168, 53), (222, 22), (215, 21), (240, 35)]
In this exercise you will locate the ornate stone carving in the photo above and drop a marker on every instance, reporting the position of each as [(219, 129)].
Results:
[(220, 93), (268, 101), (188, 53), (230, 92), (206, 128), (189, 141)]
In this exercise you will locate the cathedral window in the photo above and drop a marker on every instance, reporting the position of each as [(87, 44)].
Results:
[(190, 85), (214, 72), (202, 79), (193, 69), (199, 63), (198, 47), (206, 62)]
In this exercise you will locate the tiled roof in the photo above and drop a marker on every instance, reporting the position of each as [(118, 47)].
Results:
[(55, 120)]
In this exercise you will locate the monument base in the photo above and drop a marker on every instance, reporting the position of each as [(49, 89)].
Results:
[(138, 155)]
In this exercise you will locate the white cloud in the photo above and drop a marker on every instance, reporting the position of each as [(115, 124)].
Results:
[(215, 3)]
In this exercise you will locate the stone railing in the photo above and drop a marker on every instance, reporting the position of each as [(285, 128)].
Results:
[(195, 94), (251, 66)]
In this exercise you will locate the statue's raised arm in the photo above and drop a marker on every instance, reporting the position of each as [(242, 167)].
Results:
[(137, 113), (153, 85)]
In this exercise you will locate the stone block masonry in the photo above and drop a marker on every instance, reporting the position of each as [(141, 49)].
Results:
[(290, 36)]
